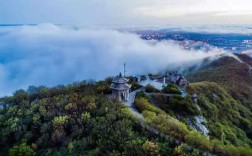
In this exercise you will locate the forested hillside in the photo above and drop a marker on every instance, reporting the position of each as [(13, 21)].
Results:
[(72, 120), (227, 119), (81, 119), (78, 120)]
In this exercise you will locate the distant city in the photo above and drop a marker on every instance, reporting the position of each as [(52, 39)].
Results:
[(236, 43)]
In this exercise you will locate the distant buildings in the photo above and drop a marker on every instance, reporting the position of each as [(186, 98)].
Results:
[(120, 88), (137, 78)]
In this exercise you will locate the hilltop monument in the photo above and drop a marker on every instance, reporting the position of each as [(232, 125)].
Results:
[(120, 88)]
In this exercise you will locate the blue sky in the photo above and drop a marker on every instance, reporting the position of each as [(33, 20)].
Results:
[(126, 13)]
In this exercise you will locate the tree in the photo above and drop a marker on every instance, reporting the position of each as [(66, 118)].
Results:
[(171, 89), (143, 104), (71, 107), (198, 140), (151, 148), (60, 120), (21, 150), (85, 116), (185, 150), (150, 89)]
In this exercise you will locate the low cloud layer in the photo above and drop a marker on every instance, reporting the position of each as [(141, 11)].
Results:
[(50, 55)]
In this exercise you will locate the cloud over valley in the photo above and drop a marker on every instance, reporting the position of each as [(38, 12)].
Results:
[(49, 55)]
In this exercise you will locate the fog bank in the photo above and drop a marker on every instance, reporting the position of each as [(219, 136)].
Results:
[(49, 55)]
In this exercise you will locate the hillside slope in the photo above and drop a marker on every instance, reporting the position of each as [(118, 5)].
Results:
[(72, 120), (78, 120), (227, 119), (232, 75)]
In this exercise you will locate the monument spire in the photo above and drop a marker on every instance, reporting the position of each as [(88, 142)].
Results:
[(124, 69)]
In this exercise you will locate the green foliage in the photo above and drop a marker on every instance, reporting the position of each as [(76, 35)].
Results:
[(69, 120), (42, 110), (198, 140), (150, 89), (172, 127), (85, 116), (60, 120), (134, 84), (177, 105), (142, 104), (141, 94), (143, 77), (13, 124), (91, 107), (21, 150), (185, 150), (78, 120), (226, 117), (71, 107), (230, 74), (151, 149), (171, 89), (104, 86), (149, 116)]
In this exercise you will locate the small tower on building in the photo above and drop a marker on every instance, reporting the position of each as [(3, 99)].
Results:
[(120, 88), (164, 83)]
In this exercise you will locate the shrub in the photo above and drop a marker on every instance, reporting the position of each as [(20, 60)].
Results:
[(149, 116), (21, 150), (151, 148), (185, 150), (170, 126), (60, 120), (135, 86), (171, 89), (71, 107), (141, 94), (180, 104), (150, 89), (142, 104), (198, 140), (85, 116)]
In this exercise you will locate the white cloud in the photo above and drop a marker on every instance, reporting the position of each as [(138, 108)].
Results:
[(49, 55)]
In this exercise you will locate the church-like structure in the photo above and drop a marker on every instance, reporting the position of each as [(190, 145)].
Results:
[(120, 88)]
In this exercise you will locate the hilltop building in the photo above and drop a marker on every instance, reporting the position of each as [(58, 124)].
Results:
[(120, 88), (137, 78), (178, 79)]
